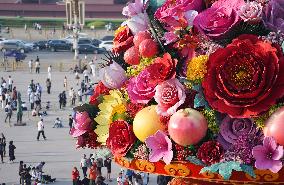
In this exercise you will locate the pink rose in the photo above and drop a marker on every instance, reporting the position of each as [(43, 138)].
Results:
[(169, 95), (219, 19), (251, 12), (139, 89), (178, 13)]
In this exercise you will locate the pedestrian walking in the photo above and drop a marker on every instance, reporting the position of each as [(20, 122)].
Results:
[(64, 98), (37, 65), (49, 69), (19, 109), (31, 66), (1, 150), (75, 176), (10, 83), (40, 128), (11, 152), (99, 163), (107, 164), (32, 100), (77, 77), (80, 94), (65, 83), (9, 111), (92, 175), (3, 138), (21, 172), (86, 75), (83, 165), (70, 121), (48, 85), (33, 86)]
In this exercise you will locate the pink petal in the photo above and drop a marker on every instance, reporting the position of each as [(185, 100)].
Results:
[(278, 153), (77, 133), (259, 152), (263, 164), (152, 142), (276, 166), (269, 143), (168, 156), (156, 155)]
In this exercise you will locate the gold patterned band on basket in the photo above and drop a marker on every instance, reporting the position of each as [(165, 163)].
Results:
[(186, 173)]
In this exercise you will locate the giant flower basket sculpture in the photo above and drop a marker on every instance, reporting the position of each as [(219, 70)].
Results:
[(193, 89)]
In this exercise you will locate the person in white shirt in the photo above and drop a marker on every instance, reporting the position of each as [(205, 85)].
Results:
[(37, 65), (31, 66), (32, 99), (40, 129), (10, 83), (49, 72), (80, 94), (86, 75), (57, 123), (8, 110)]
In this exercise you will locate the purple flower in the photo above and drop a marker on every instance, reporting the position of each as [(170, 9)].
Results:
[(133, 9), (273, 15), (137, 23), (232, 128), (161, 147), (268, 155)]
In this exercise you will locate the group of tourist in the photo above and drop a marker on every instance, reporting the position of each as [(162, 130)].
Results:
[(11, 149)]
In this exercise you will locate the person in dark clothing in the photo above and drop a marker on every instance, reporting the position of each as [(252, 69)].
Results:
[(32, 85), (70, 122), (28, 176), (12, 151), (48, 85), (60, 100), (21, 172), (107, 164), (162, 180), (64, 98), (1, 150)]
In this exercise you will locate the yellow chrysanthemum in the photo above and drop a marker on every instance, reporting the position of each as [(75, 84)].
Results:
[(121, 28), (134, 70), (196, 68), (112, 104)]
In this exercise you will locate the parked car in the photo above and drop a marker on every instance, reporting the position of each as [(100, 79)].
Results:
[(108, 38), (10, 45), (88, 48), (70, 38), (96, 42), (84, 41), (40, 45), (56, 45), (29, 46), (18, 55), (107, 45)]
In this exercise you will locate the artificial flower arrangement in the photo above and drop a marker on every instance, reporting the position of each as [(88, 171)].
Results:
[(197, 83)]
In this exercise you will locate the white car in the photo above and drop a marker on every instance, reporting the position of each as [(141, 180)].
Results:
[(27, 44), (107, 45), (70, 38)]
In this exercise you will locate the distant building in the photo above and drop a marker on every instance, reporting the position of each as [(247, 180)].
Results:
[(56, 8)]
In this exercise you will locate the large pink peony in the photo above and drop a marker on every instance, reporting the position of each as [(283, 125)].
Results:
[(169, 95), (219, 19)]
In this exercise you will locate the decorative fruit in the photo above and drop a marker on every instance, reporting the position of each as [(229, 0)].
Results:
[(131, 56), (147, 123), (187, 127), (141, 36), (275, 125), (148, 48)]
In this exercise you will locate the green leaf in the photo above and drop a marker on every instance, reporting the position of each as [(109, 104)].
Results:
[(155, 4), (248, 169), (194, 160)]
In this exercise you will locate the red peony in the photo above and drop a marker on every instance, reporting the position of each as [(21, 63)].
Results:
[(123, 40), (148, 48), (121, 138), (131, 56), (243, 79), (210, 152), (162, 69), (100, 89)]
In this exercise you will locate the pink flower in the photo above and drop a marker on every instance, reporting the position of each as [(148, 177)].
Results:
[(139, 89), (176, 14), (268, 155), (133, 9), (251, 12), (80, 143), (170, 37), (161, 147), (219, 19), (137, 23), (169, 95), (113, 76), (83, 124)]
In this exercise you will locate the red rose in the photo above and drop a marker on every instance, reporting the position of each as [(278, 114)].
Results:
[(123, 40), (162, 69), (100, 89), (121, 138), (245, 78), (210, 152)]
